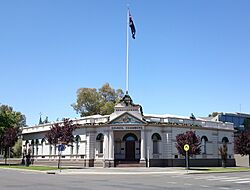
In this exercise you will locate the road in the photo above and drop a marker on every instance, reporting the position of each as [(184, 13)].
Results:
[(23, 180)]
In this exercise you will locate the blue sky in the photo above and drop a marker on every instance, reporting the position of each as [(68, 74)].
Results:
[(188, 56)]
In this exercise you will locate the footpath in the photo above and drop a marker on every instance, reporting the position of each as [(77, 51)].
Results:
[(132, 171), (124, 171)]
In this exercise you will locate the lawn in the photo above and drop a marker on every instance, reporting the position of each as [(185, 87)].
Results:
[(38, 168)]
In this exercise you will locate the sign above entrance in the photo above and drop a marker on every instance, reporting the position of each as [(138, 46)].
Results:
[(120, 128)]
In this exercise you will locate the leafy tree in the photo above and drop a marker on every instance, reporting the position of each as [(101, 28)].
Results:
[(17, 149), (8, 140), (91, 101), (246, 124), (190, 138), (10, 124), (61, 132), (214, 114), (223, 153), (242, 143)]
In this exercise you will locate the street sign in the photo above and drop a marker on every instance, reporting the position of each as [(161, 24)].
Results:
[(61, 147), (186, 147)]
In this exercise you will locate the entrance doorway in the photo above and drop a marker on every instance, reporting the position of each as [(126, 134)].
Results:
[(130, 150), (130, 140)]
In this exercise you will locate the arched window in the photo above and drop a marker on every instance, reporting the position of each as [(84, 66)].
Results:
[(50, 149), (77, 140), (55, 147), (156, 138), (225, 140), (100, 139), (204, 140), (130, 137), (32, 147), (25, 151), (37, 143), (71, 148), (42, 145)]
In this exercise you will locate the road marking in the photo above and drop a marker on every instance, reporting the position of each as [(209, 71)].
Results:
[(242, 182), (188, 184), (222, 178), (241, 179), (172, 182), (204, 186), (224, 188)]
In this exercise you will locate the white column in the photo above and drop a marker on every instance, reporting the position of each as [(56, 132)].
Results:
[(142, 145), (105, 147), (111, 145), (87, 147)]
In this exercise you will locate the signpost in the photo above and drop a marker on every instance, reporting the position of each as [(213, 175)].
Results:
[(61, 147), (186, 148)]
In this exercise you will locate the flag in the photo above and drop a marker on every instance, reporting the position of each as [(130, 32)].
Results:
[(132, 26)]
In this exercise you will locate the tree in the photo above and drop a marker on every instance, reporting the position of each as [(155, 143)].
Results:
[(190, 138), (223, 153), (61, 132), (91, 101), (10, 124), (17, 149), (246, 124), (242, 144), (8, 140), (214, 114)]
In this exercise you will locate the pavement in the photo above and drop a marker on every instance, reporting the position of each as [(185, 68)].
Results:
[(123, 171)]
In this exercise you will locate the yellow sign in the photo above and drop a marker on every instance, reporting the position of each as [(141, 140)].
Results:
[(186, 147)]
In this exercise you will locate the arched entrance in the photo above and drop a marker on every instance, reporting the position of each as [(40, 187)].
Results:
[(130, 140)]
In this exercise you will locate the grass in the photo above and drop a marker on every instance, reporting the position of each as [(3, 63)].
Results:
[(37, 168)]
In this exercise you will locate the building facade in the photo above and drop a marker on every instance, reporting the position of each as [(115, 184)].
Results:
[(240, 120), (129, 136)]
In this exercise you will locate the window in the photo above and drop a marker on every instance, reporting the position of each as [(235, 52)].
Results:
[(42, 145), (32, 147), (204, 144), (156, 138), (71, 148), (50, 149), (78, 139), (55, 149), (100, 139), (225, 140), (117, 146), (37, 143)]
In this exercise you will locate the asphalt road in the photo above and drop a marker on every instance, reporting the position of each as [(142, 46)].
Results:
[(23, 180)]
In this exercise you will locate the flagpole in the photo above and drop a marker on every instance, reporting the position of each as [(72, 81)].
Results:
[(127, 51)]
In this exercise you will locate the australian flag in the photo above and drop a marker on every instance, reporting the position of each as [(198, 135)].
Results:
[(132, 26)]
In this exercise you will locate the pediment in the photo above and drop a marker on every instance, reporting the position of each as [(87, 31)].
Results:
[(127, 118)]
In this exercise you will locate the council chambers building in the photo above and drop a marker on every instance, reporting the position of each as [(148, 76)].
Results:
[(129, 137)]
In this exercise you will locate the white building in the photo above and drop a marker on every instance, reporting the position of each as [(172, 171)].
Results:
[(128, 136)]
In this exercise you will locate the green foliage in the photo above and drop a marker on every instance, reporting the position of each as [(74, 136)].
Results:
[(10, 124), (17, 149), (246, 124), (214, 114), (91, 101), (10, 119), (37, 168)]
